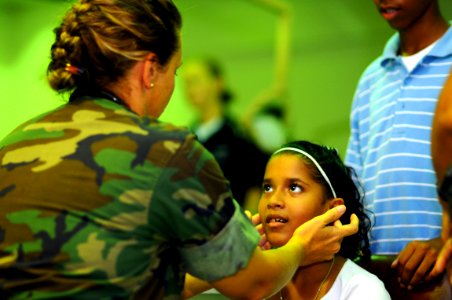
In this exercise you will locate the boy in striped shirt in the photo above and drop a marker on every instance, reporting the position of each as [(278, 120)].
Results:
[(389, 146)]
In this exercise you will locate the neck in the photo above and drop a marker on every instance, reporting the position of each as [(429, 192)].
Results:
[(131, 91), (307, 280), (429, 28), (211, 112)]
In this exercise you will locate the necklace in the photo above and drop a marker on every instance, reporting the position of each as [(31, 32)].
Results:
[(281, 297)]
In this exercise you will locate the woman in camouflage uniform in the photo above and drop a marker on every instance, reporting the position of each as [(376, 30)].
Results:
[(99, 199)]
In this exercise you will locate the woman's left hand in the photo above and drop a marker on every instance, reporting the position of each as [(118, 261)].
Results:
[(256, 220)]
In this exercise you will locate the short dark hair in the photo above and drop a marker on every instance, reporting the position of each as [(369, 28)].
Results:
[(215, 69)]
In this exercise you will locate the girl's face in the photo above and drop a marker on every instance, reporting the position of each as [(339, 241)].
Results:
[(290, 197)]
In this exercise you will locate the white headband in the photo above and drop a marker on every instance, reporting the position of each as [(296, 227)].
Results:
[(313, 160)]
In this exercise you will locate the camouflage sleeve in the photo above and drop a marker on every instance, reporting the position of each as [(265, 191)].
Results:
[(226, 253), (194, 210)]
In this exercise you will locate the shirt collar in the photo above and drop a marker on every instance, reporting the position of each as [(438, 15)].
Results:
[(442, 48)]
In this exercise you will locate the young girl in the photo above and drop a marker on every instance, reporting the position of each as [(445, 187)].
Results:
[(303, 180)]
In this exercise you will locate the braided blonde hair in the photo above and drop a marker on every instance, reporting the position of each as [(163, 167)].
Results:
[(99, 40)]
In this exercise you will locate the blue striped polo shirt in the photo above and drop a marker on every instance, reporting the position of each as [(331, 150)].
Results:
[(389, 146)]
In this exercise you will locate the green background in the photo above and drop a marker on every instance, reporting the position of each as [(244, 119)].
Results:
[(333, 41)]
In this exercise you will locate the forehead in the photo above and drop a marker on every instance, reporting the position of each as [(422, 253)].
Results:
[(287, 165), (195, 68)]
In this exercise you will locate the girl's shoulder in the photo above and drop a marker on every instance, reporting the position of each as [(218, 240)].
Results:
[(351, 270), (354, 282)]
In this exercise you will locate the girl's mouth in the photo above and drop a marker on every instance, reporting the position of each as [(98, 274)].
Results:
[(275, 221)]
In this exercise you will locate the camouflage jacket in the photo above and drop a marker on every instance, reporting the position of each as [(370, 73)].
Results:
[(98, 203)]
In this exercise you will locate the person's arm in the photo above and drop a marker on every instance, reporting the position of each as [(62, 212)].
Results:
[(194, 286), (442, 159), (443, 259), (268, 271), (442, 146), (415, 263), (442, 131), (278, 86)]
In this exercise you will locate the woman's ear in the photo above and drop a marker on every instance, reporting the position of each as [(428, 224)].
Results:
[(150, 70), (336, 202)]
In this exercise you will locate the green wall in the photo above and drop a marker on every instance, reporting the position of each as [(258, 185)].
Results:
[(333, 41)]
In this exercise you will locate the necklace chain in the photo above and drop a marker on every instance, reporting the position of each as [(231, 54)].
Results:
[(281, 297)]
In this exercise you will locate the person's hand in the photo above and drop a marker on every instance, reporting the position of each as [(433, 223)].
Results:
[(414, 264), (444, 257), (322, 240), (256, 220)]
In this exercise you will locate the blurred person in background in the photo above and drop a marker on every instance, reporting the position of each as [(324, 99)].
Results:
[(266, 117), (254, 135), (220, 133)]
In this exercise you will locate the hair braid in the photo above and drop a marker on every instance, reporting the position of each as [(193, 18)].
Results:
[(99, 40), (66, 49)]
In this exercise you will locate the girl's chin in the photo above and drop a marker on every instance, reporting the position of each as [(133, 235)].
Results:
[(277, 241)]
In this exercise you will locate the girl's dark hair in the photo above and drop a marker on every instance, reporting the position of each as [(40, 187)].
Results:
[(341, 178), (99, 40)]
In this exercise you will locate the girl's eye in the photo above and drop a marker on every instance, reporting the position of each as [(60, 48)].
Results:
[(266, 188), (296, 188)]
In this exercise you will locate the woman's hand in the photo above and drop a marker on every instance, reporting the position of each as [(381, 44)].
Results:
[(321, 240), (256, 220)]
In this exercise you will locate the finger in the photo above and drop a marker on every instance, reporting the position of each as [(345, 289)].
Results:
[(267, 246), (394, 263), (263, 241), (338, 224), (354, 219), (260, 229), (420, 274), (407, 270), (256, 219), (349, 229), (441, 262), (403, 257), (331, 215)]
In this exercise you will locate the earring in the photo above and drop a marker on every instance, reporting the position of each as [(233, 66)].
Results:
[(151, 85)]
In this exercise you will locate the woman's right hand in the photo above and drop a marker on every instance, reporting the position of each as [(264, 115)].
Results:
[(320, 239)]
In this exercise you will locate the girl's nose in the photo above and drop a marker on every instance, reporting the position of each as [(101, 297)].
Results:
[(275, 201)]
